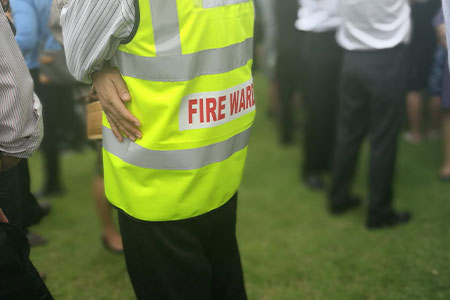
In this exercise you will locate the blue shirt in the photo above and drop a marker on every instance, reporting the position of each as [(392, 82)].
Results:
[(33, 33)]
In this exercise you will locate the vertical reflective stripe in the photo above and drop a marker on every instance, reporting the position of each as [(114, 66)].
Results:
[(217, 3), (166, 27)]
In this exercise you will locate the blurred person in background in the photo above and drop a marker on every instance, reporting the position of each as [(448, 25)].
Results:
[(288, 67), (265, 47), (320, 61), (63, 126), (175, 184), (35, 39), (20, 134), (372, 91), (442, 66), (110, 237), (420, 57)]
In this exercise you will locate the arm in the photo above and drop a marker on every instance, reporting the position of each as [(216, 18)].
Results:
[(439, 25), (27, 26), (446, 12), (91, 45), (21, 126), (92, 31)]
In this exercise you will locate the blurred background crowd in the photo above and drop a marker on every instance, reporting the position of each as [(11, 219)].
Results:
[(333, 76)]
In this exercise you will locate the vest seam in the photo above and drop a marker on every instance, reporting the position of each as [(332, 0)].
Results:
[(193, 218), (137, 20)]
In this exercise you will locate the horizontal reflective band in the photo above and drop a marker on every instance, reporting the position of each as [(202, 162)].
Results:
[(217, 3), (185, 67), (188, 159)]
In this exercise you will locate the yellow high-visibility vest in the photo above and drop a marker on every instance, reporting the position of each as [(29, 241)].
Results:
[(188, 69)]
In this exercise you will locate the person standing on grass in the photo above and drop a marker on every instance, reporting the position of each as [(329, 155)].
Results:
[(438, 22), (320, 61), (20, 134), (420, 57), (110, 236), (174, 152), (373, 86)]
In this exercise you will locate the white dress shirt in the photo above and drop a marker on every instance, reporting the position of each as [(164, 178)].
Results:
[(318, 15), (374, 24), (92, 31)]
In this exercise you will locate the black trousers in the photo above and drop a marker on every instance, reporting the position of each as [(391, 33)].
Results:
[(321, 61), (372, 98), (288, 72), (16, 199), (194, 259), (30, 209), (61, 124), (10, 196), (19, 280)]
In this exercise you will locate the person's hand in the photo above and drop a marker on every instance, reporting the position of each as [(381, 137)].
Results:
[(45, 59), (442, 37), (112, 92), (3, 218), (44, 79), (7, 162)]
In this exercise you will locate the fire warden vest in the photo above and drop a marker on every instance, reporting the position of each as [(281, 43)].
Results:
[(188, 69)]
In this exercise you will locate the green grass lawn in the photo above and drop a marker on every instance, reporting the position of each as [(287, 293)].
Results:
[(291, 248)]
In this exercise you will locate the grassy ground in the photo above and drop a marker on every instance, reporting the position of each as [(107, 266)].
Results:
[(291, 248)]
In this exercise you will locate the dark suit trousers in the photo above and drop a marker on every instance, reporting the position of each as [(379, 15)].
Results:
[(196, 259), (19, 280), (372, 97), (321, 61)]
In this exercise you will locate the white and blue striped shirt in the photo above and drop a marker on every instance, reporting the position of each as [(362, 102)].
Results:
[(21, 126), (92, 32), (446, 10)]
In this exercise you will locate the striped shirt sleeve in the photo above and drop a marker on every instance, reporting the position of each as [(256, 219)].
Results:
[(21, 126), (92, 31)]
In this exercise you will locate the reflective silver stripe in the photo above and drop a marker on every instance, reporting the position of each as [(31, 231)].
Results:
[(216, 3), (166, 28), (185, 67), (189, 159)]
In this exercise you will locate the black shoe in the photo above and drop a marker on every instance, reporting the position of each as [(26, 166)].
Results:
[(314, 182), (390, 219), (351, 203)]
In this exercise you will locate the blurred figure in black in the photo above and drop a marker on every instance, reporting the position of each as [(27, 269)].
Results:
[(373, 86), (321, 61), (288, 67), (53, 84), (420, 57), (60, 120)]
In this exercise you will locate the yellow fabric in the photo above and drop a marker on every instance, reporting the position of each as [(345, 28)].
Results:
[(214, 27), (143, 43), (162, 195)]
